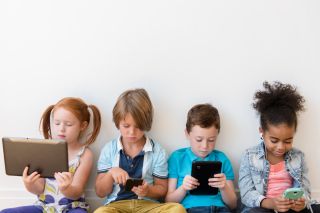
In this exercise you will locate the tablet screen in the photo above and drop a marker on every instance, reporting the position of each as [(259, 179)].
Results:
[(202, 171)]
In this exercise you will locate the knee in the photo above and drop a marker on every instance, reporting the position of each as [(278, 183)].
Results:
[(177, 207), (105, 209), (7, 211)]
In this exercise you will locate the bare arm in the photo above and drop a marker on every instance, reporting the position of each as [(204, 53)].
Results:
[(177, 194), (72, 186), (105, 181), (228, 195)]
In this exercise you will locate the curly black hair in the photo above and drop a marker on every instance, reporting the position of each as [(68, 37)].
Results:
[(278, 103)]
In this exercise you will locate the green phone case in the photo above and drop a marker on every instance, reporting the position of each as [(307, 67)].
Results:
[(293, 193)]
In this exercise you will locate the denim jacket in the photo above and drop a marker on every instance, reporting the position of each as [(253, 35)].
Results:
[(254, 173)]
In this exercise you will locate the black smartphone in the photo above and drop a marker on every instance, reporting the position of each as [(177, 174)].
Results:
[(202, 171), (131, 182)]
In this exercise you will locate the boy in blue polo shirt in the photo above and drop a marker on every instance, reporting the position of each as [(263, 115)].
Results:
[(202, 129), (133, 155)]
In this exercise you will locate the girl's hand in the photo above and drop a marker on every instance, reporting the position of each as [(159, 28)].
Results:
[(141, 190), (218, 181), (29, 180), (119, 175), (189, 183), (298, 204), (282, 204), (64, 179)]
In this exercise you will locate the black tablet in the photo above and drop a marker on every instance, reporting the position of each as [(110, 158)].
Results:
[(202, 171), (42, 155)]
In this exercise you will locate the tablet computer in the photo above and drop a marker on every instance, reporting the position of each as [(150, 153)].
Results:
[(45, 156), (202, 171)]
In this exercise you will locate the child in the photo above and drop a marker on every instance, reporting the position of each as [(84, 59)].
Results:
[(202, 129), (68, 119), (133, 155), (273, 166)]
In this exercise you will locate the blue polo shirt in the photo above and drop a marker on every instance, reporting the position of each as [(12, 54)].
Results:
[(149, 163), (180, 163)]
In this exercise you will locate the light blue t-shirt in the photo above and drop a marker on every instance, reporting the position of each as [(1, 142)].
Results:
[(154, 164), (180, 163)]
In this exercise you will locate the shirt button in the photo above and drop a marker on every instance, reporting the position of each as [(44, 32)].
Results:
[(131, 165)]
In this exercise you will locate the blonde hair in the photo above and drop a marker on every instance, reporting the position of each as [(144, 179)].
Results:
[(77, 107), (137, 103)]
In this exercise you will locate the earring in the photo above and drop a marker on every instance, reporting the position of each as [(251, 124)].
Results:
[(261, 136)]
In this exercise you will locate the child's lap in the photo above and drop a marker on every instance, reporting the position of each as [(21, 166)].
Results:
[(36, 209), (23, 209), (208, 209), (315, 208), (140, 206)]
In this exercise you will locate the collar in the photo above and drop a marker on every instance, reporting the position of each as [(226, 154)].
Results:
[(193, 157), (261, 150), (148, 146)]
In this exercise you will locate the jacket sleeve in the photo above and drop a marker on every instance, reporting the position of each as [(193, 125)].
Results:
[(250, 197), (304, 178)]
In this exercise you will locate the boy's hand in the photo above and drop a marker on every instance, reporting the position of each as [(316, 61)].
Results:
[(141, 190), (218, 181), (29, 180), (119, 175), (189, 183), (64, 179), (282, 204), (298, 204)]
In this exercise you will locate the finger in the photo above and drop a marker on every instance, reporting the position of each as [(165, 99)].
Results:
[(67, 175), (123, 179), (220, 175), (144, 185), (194, 182), (25, 172), (134, 189), (35, 178), (116, 180), (60, 176), (57, 177), (32, 175)]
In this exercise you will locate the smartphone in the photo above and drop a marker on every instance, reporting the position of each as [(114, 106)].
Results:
[(131, 182), (293, 193)]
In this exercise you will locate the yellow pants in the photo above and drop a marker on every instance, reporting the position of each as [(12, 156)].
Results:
[(140, 206)]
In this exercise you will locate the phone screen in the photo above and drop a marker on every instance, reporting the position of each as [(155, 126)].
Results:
[(131, 182)]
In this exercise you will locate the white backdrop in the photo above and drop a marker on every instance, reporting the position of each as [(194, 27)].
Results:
[(181, 52)]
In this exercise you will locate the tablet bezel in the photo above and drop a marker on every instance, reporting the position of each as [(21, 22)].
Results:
[(202, 171), (46, 156)]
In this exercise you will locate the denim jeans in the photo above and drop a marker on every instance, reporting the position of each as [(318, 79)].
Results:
[(208, 209), (315, 209)]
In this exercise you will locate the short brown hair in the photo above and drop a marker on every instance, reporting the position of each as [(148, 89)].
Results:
[(137, 103), (204, 115)]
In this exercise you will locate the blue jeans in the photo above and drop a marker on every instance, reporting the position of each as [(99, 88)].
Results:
[(315, 209), (36, 209), (208, 209)]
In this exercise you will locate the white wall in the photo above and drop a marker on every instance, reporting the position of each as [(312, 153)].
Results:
[(182, 52)]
